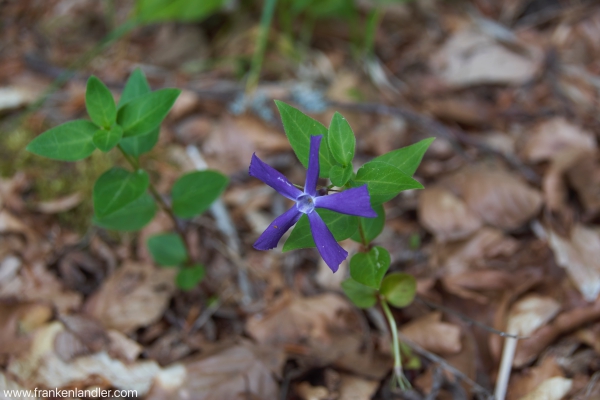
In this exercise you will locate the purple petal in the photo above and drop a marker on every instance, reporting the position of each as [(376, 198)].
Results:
[(312, 174), (330, 250), (355, 201), (273, 178), (270, 237)]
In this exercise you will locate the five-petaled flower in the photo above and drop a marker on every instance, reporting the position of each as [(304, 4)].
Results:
[(355, 201)]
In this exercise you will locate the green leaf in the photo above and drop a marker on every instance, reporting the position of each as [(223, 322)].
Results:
[(406, 159), (145, 113), (342, 226), (137, 145), (107, 139), (100, 103), (371, 227), (384, 181), (194, 192), (132, 217), (369, 268), (299, 127), (399, 289), (176, 10), (341, 140), (116, 188), (189, 277), (340, 175), (70, 141), (167, 249), (136, 86), (362, 296)]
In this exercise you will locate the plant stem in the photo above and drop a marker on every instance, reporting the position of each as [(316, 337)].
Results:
[(398, 374), (261, 45), (363, 238), (166, 208), (371, 29)]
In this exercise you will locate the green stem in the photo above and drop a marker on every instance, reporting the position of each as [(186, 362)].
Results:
[(361, 231), (400, 379), (158, 198), (261, 45), (371, 29)]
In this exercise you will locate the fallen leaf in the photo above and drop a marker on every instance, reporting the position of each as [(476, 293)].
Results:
[(15, 97), (584, 177), (135, 295), (526, 381), (579, 254), (306, 391), (551, 389), (470, 57), (446, 215), (355, 388), (530, 313), (433, 335), (59, 205)]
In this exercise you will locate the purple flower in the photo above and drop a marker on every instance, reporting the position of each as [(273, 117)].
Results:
[(355, 201)]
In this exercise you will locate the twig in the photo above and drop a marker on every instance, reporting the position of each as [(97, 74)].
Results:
[(508, 355), (444, 364)]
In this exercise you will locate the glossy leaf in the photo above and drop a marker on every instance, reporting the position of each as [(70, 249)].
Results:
[(70, 141), (136, 86), (406, 159), (399, 289), (299, 127), (167, 249), (116, 188), (339, 175), (132, 217), (371, 227), (100, 103), (384, 181), (189, 277), (341, 140), (142, 114), (369, 268), (137, 145), (194, 192), (342, 226), (105, 140), (362, 296)]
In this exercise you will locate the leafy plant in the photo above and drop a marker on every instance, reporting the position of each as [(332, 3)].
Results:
[(126, 200), (355, 209)]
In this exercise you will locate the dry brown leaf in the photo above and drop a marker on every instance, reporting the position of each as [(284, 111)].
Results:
[(470, 284), (134, 295), (41, 366), (579, 254), (551, 389), (529, 379), (552, 137), (446, 215), (306, 391), (530, 313), (17, 320), (355, 388), (434, 335), (244, 371), (469, 57), (499, 198), (584, 177), (59, 205)]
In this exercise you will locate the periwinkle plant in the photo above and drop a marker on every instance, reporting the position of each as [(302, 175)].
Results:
[(354, 210), (126, 200)]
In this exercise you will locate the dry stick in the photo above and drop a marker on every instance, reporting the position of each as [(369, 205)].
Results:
[(508, 355), (437, 359)]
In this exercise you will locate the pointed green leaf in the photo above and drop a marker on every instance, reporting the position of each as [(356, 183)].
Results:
[(299, 127), (340, 175), (371, 227), (116, 188), (342, 226), (145, 113), (399, 289), (362, 296), (406, 159), (189, 277), (341, 140), (167, 249), (384, 181), (70, 141), (369, 268), (136, 86), (132, 217), (100, 103), (194, 192), (105, 140), (140, 144)]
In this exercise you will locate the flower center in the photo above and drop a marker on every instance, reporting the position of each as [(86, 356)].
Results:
[(305, 203)]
